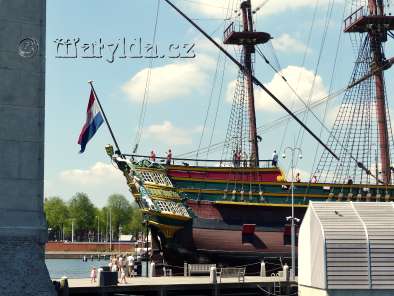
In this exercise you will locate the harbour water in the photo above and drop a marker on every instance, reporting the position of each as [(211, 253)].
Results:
[(76, 268)]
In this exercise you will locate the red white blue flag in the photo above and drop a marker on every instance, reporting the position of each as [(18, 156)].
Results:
[(94, 119)]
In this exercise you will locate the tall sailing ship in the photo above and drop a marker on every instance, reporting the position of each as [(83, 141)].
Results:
[(234, 211)]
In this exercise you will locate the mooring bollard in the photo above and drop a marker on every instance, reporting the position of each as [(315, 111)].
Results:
[(286, 272), (263, 271), (152, 271), (213, 275), (64, 286), (185, 268)]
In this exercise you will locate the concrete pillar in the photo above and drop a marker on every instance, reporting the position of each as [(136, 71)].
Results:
[(152, 271), (285, 273), (23, 231), (185, 271), (213, 275), (263, 271)]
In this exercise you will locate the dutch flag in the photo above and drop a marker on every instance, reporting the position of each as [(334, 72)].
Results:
[(94, 119)]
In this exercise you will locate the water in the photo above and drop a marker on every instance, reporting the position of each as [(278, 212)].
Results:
[(76, 268)]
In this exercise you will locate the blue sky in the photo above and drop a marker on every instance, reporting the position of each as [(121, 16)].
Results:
[(180, 88)]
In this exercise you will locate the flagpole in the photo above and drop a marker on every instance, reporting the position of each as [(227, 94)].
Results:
[(105, 117)]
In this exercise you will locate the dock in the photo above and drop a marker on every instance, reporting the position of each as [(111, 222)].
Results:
[(179, 285)]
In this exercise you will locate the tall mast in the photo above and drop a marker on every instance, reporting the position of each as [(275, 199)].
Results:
[(248, 49), (248, 39), (375, 23), (376, 9)]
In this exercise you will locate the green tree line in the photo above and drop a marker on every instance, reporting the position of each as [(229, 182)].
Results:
[(89, 223)]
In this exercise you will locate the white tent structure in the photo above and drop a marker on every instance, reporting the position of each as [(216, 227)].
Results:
[(347, 248)]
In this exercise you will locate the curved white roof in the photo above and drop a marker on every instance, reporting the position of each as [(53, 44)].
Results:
[(355, 243)]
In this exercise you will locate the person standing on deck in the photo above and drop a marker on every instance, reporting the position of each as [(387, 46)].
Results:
[(275, 159), (245, 159), (298, 178), (152, 156), (169, 157)]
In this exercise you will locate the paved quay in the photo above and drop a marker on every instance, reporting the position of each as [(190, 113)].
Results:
[(180, 285)]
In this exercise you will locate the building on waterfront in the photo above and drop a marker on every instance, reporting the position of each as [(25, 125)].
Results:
[(347, 248)]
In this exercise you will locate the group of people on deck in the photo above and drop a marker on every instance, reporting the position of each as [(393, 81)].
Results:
[(152, 156)]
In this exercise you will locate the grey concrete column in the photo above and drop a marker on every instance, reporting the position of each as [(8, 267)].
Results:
[(23, 230)]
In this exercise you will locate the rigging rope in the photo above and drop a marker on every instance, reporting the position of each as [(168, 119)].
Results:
[(331, 86), (306, 51), (145, 99), (323, 42), (209, 103), (263, 128)]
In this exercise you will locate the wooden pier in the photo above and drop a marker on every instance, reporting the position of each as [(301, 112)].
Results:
[(179, 285)]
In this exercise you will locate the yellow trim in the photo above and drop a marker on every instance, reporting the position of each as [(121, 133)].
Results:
[(168, 230), (167, 215), (246, 193), (258, 204), (144, 169), (157, 186), (156, 197), (220, 169), (303, 184)]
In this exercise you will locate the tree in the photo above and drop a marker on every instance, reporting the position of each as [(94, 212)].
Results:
[(135, 226), (83, 214), (57, 215), (121, 212)]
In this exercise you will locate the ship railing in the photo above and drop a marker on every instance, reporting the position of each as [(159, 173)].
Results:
[(265, 163), (355, 16), (228, 30)]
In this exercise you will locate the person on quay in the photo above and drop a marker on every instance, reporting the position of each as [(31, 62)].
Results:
[(130, 260), (93, 275), (123, 275)]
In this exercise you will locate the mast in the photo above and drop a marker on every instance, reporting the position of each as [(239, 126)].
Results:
[(248, 50), (377, 38), (375, 23), (248, 39)]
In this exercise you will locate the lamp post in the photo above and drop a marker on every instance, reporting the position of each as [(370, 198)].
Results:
[(293, 150), (146, 221), (72, 230), (376, 162), (110, 230), (120, 233), (98, 229)]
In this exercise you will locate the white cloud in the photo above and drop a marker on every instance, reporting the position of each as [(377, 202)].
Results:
[(301, 79), (170, 81), (221, 8), (286, 43), (217, 8), (98, 181), (167, 133), (97, 174), (277, 7)]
